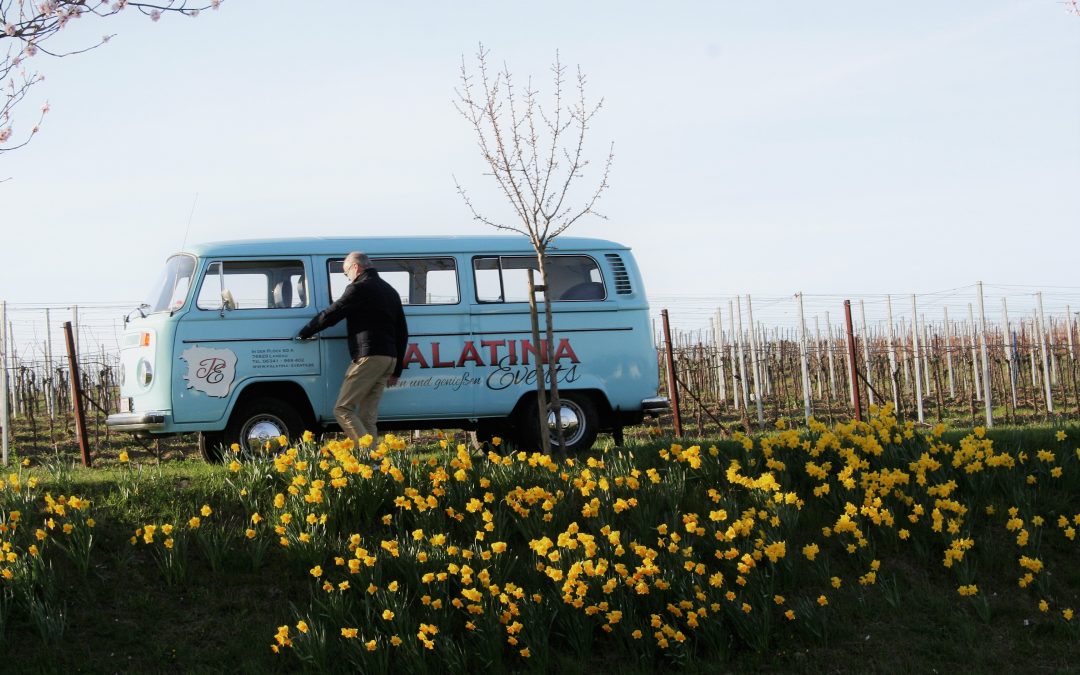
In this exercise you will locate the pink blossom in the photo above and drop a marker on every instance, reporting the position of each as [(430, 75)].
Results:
[(35, 129), (30, 50), (9, 30), (45, 108), (155, 15), (215, 3), (119, 5), (5, 134)]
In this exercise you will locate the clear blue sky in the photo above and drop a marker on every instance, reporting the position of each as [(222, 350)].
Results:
[(765, 148)]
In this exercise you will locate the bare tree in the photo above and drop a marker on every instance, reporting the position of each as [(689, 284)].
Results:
[(536, 155), (27, 26)]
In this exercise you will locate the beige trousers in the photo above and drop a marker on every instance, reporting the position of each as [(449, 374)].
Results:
[(357, 407)]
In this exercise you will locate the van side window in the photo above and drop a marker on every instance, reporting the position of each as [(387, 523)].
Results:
[(419, 281), (253, 284), (505, 278)]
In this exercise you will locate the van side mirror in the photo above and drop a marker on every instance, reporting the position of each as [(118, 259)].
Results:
[(227, 301)]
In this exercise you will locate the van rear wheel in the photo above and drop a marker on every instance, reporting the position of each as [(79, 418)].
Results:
[(486, 432), (261, 421), (578, 416)]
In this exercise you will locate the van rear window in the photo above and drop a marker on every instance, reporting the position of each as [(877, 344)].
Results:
[(419, 281), (506, 278)]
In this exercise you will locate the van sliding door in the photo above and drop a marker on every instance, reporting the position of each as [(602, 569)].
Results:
[(439, 380)]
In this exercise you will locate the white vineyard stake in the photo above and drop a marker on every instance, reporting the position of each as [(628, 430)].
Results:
[(1045, 356), (948, 356), (974, 356), (915, 354), (892, 355), (1010, 346), (803, 360), (987, 383), (866, 352)]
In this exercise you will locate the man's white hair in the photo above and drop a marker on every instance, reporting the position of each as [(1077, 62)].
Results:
[(360, 259)]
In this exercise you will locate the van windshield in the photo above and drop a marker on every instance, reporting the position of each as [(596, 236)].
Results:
[(171, 290)]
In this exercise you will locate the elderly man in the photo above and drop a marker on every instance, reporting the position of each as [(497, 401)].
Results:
[(377, 335)]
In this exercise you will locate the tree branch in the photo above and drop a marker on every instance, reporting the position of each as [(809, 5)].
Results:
[(538, 185)]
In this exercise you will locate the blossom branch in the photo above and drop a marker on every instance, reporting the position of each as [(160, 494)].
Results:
[(27, 26)]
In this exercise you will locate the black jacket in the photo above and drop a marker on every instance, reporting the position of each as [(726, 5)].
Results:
[(374, 320)]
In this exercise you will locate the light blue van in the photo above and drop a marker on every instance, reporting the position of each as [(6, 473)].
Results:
[(212, 348)]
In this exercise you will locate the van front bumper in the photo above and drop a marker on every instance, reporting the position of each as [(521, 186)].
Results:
[(153, 420)]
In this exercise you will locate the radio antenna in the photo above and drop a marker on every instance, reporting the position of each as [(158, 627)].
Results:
[(190, 216)]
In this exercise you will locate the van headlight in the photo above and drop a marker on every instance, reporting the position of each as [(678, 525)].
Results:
[(144, 373)]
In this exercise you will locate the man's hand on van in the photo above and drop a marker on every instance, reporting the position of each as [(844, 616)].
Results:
[(301, 338), (392, 382)]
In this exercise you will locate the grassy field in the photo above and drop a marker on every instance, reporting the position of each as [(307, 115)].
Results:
[(544, 590)]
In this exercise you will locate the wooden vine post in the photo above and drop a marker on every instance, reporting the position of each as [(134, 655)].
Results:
[(673, 385), (77, 403), (852, 368)]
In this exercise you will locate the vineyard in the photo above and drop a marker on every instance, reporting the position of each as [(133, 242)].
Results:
[(796, 360), (968, 371)]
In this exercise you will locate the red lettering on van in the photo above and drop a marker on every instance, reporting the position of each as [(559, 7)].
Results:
[(493, 349), (414, 353), (469, 353), (564, 350), (529, 348), (435, 362)]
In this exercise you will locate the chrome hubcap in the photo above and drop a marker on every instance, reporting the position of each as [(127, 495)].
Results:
[(572, 420), (262, 429)]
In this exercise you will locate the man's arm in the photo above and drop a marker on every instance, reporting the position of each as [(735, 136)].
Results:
[(402, 334), (332, 314)]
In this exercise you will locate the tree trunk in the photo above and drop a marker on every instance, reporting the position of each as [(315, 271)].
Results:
[(541, 395)]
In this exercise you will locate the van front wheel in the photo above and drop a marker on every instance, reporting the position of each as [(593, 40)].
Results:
[(579, 419), (211, 446), (261, 421)]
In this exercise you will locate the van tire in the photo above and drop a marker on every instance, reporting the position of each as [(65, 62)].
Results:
[(271, 417), (212, 446), (583, 409), (481, 439)]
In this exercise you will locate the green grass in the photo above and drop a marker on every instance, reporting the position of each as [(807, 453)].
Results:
[(124, 618)]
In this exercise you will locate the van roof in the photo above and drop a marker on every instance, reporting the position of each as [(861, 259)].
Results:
[(404, 245)]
